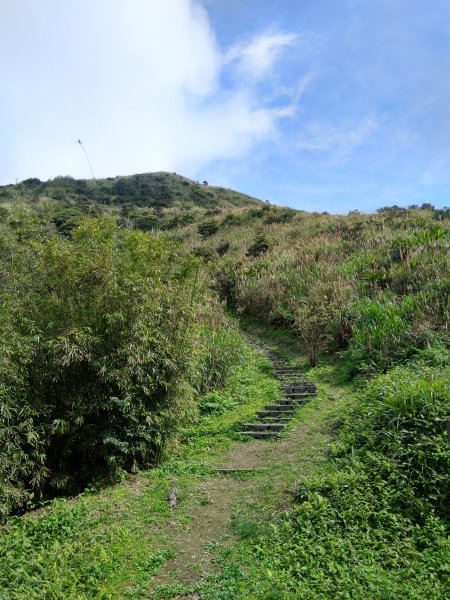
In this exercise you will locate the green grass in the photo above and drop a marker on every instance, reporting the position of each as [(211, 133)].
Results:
[(315, 521), (301, 454), (369, 520), (108, 544)]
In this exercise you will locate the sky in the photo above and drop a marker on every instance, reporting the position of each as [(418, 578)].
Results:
[(325, 105)]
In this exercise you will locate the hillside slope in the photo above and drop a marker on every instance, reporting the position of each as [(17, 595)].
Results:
[(384, 275), (156, 190), (117, 355), (145, 201)]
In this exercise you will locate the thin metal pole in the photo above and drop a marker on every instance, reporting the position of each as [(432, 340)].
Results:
[(87, 157)]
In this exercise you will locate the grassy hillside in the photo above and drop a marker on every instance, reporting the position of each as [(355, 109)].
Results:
[(120, 349), (145, 201), (373, 287), (357, 518)]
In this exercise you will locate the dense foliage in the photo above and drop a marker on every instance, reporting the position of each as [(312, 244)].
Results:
[(105, 544), (377, 526), (375, 286), (105, 338), (114, 337), (146, 201)]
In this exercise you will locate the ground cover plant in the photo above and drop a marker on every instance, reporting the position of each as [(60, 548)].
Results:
[(119, 350), (377, 524)]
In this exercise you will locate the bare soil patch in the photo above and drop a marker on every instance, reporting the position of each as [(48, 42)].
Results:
[(210, 520)]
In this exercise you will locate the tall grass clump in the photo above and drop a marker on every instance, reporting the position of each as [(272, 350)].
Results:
[(98, 368), (220, 347), (380, 332), (316, 313)]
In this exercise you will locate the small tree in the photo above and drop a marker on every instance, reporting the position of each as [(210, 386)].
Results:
[(259, 246), (208, 228)]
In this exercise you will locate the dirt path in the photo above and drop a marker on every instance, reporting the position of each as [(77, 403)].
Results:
[(272, 469), (210, 519), (277, 464)]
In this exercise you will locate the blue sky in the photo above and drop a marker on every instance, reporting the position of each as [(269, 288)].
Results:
[(321, 105)]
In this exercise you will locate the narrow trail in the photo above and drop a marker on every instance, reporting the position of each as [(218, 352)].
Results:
[(252, 475), (296, 391)]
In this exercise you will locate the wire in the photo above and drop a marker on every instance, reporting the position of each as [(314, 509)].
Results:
[(87, 157)]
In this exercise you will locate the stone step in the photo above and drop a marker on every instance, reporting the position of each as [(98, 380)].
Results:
[(300, 389), (260, 435), (275, 417), (281, 407), (292, 403), (275, 413), (296, 402), (275, 420), (264, 426), (288, 373), (295, 382), (287, 377)]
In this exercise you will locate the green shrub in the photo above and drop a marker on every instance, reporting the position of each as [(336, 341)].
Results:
[(398, 431), (208, 228), (222, 249), (221, 349), (259, 246), (226, 283), (94, 377), (380, 333)]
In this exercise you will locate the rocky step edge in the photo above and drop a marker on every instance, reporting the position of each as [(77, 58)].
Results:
[(275, 417)]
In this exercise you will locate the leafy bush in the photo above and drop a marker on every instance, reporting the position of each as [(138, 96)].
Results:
[(221, 349), (208, 228), (381, 333), (399, 432), (278, 215), (259, 246), (94, 378), (223, 248), (226, 283)]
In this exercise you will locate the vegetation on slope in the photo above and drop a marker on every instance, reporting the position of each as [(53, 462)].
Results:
[(107, 336), (376, 286), (376, 524), (147, 201), (109, 383), (110, 541)]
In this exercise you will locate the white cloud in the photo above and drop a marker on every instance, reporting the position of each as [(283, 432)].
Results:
[(257, 58), (137, 80), (323, 137)]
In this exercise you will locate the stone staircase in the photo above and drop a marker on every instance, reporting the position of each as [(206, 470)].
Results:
[(275, 417)]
